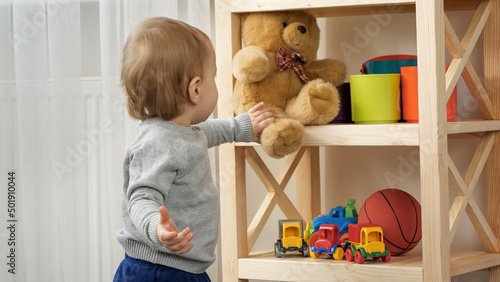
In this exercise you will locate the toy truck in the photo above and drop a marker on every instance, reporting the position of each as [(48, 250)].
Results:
[(366, 241), (290, 238), (328, 243), (335, 216)]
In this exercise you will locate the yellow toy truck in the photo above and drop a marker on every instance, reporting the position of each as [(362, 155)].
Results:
[(366, 241), (290, 238)]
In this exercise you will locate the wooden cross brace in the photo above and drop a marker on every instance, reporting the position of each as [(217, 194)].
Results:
[(464, 187), (461, 51), (275, 194)]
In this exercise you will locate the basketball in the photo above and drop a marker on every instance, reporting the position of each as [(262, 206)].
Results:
[(398, 213)]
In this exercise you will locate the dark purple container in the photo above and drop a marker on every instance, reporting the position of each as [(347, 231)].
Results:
[(344, 115)]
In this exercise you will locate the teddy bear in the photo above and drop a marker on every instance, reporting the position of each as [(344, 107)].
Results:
[(278, 66)]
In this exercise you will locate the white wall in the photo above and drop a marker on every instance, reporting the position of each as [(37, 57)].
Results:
[(357, 172)]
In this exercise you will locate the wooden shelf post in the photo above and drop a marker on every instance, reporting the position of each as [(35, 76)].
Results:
[(308, 184), (492, 87), (231, 169), (433, 140)]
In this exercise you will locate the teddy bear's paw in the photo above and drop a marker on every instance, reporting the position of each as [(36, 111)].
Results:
[(250, 64), (317, 103), (325, 102), (282, 137), (338, 72)]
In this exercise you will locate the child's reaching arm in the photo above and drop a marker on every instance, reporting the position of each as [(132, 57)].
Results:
[(180, 242), (245, 127)]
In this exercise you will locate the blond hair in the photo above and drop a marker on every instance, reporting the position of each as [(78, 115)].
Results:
[(159, 58)]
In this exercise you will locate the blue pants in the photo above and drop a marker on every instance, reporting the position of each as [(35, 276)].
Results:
[(132, 269)]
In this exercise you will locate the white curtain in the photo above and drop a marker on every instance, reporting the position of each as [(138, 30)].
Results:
[(64, 130)]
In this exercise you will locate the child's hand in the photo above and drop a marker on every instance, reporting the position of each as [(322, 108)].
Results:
[(174, 241), (260, 118)]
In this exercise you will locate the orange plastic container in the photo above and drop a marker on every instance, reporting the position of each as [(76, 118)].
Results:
[(409, 89)]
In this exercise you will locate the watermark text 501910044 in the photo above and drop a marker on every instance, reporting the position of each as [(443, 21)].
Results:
[(11, 222)]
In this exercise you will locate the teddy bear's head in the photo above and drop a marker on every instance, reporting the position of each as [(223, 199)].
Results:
[(294, 31)]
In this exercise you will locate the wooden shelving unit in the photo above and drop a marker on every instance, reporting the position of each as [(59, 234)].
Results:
[(435, 261)]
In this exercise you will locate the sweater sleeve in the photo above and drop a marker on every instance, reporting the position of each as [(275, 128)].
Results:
[(219, 131), (146, 193)]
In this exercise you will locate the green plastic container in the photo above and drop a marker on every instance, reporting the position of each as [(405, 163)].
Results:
[(375, 98)]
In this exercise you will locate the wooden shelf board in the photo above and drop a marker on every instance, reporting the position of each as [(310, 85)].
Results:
[(239, 6), (390, 134), (293, 267), (328, 8), (465, 261), (471, 126)]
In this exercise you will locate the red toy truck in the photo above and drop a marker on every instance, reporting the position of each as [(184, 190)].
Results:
[(328, 242)]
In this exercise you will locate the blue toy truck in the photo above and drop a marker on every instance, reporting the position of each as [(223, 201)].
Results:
[(337, 216)]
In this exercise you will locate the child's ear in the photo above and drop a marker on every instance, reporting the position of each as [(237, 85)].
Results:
[(194, 90)]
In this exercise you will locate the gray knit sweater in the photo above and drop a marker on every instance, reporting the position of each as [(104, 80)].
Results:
[(168, 165)]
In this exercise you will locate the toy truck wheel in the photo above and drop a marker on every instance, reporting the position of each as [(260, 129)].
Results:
[(277, 250), (314, 255), (305, 253), (358, 257), (348, 254), (386, 258), (338, 254)]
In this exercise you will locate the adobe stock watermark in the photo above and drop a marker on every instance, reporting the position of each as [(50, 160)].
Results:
[(466, 106), (76, 155), (230, 170), (406, 167), (32, 25), (410, 164), (363, 37)]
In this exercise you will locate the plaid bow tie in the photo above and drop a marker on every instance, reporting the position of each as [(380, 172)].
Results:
[(295, 61)]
